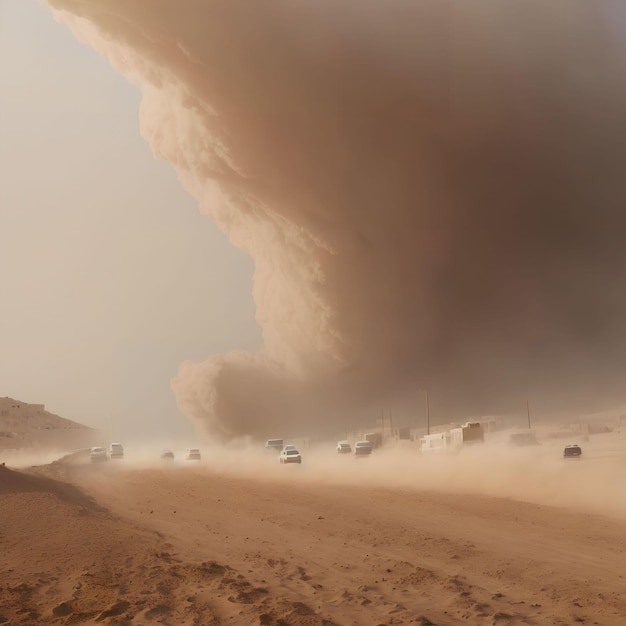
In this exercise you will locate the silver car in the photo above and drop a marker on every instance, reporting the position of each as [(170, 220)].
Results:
[(274, 444), (98, 453)]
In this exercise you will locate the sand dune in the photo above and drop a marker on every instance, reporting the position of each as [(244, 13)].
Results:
[(130, 543)]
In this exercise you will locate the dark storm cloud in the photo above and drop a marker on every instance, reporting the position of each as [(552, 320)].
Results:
[(432, 191)]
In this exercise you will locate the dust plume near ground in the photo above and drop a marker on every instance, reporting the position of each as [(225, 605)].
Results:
[(394, 538), (536, 474), (431, 192)]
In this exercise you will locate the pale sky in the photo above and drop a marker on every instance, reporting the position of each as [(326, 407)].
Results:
[(109, 275)]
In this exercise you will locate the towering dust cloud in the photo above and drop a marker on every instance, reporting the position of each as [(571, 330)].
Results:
[(432, 191)]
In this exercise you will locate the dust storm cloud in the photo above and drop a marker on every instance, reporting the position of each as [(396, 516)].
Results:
[(432, 193)]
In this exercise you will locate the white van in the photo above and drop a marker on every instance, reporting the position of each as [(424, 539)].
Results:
[(193, 454), (116, 451)]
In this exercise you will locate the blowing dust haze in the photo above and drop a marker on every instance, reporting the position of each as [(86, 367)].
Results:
[(432, 193)]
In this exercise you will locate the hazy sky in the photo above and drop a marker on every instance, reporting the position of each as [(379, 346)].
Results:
[(110, 277)]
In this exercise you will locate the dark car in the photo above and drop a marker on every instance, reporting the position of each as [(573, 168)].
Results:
[(572, 450)]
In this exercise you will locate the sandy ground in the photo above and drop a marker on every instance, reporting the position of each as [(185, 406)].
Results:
[(498, 536)]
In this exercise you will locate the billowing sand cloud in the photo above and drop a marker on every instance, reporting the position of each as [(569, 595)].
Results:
[(432, 192)]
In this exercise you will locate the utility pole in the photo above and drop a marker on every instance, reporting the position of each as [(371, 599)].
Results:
[(427, 415), (528, 413)]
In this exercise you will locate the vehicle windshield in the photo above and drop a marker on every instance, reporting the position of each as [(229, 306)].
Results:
[(363, 444), (292, 452)]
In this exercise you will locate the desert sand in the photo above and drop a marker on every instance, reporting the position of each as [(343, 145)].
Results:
[(239, 539)]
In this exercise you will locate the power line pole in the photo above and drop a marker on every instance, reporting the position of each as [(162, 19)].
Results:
[(528, 413), (427, 415)]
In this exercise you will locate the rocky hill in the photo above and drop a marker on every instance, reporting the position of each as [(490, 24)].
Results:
[(24, 425)]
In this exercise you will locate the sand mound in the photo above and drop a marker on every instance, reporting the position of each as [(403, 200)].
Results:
[(16, 482), (68, 560)]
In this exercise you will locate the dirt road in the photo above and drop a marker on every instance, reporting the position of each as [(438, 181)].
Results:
[(288, 551)]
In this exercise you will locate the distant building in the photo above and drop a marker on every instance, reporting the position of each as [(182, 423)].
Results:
[(435, 443), (453, 439)]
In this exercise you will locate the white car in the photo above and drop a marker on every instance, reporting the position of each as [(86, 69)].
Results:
[(193, 454), (98, 453), (290, 456), (362, 448), (343, 447), (274, 444), (116, 451), (167, 454)]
